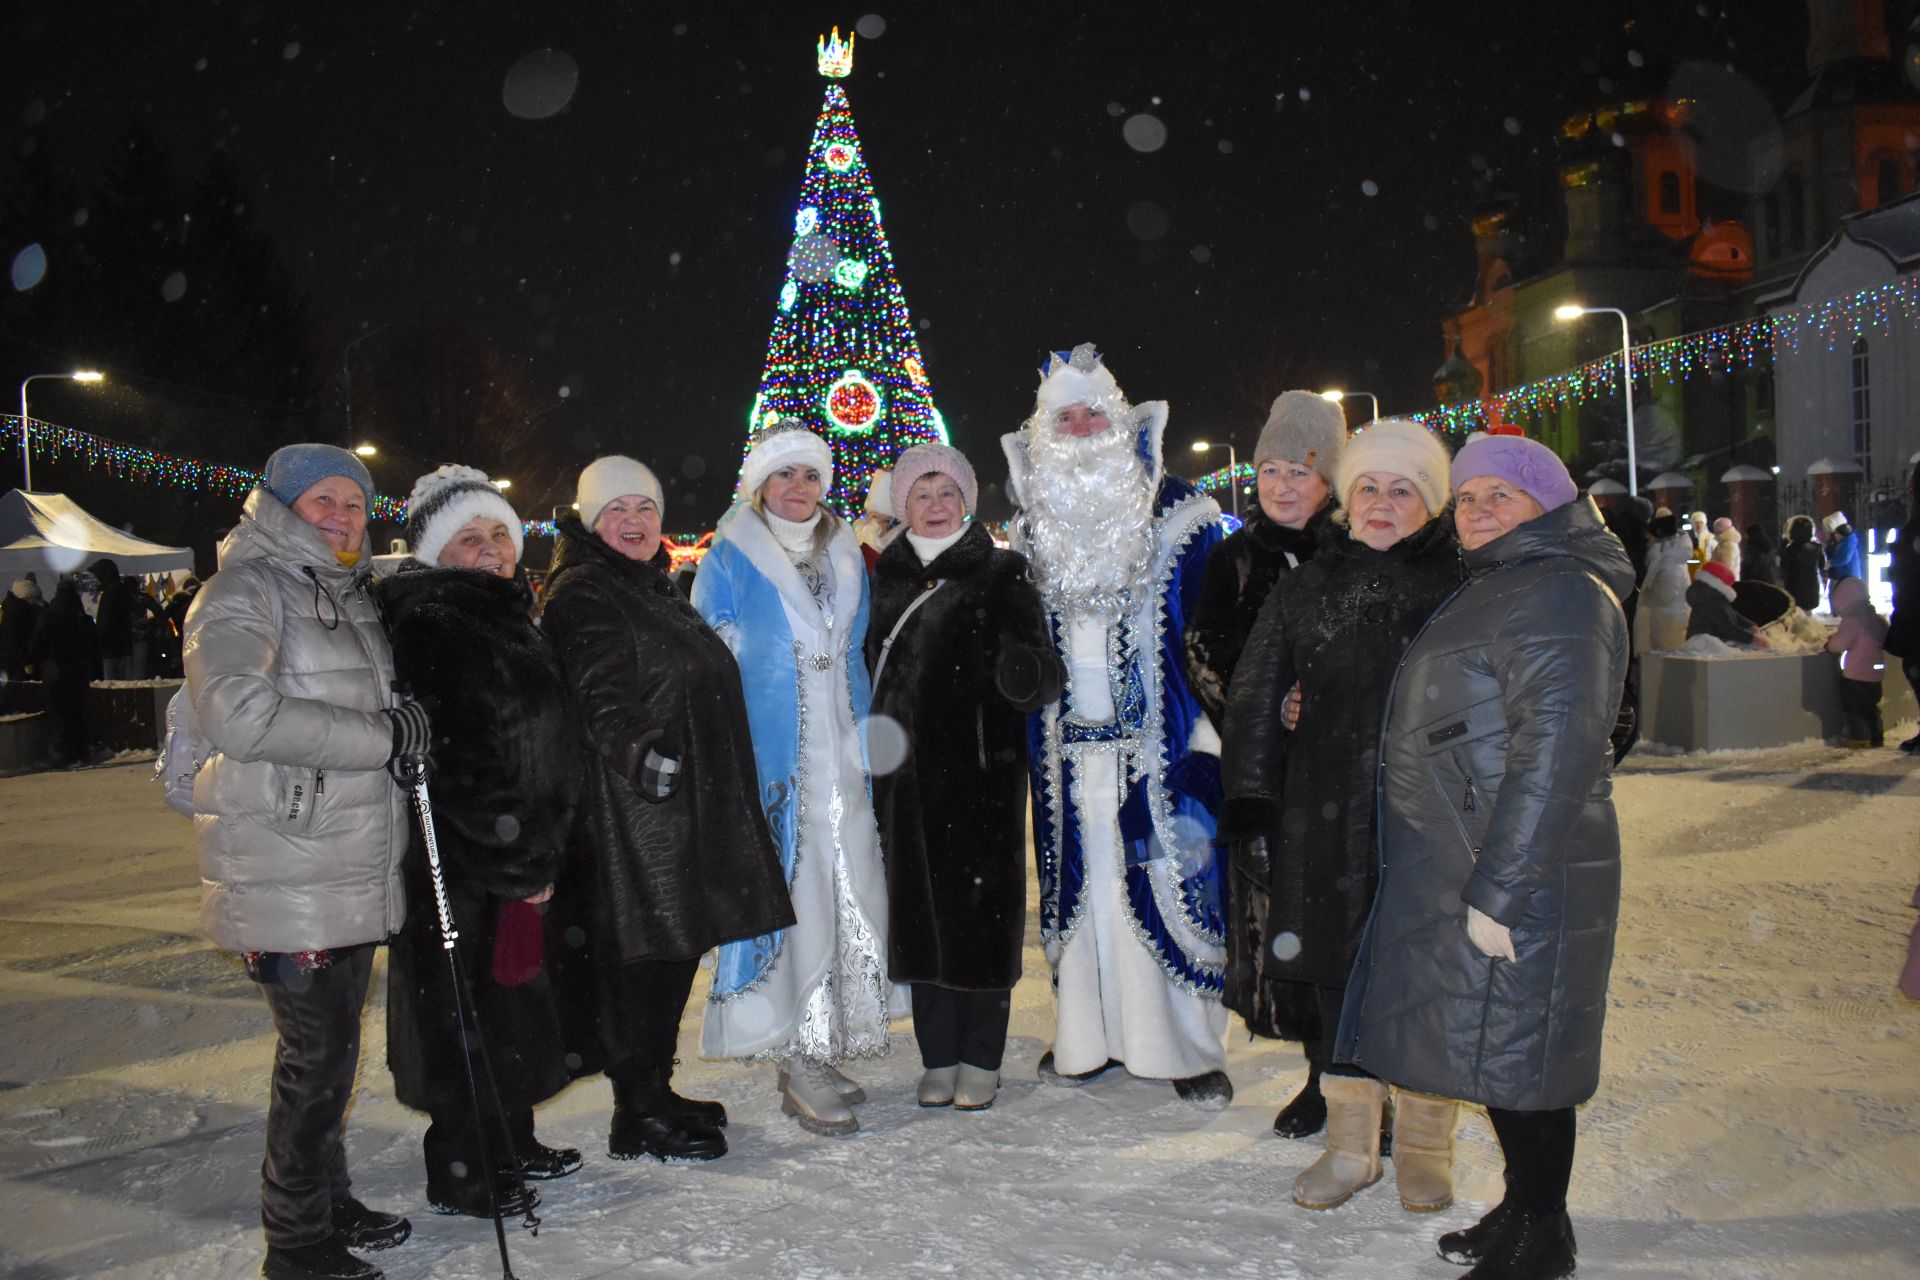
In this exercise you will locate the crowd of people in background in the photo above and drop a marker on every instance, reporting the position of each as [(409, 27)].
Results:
[(1344, 773)]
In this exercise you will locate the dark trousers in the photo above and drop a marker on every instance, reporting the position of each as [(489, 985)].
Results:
[(653, 995), (960, 1026), (1538, 1146), (1860, 704), (1331, 998), (304, 1175)]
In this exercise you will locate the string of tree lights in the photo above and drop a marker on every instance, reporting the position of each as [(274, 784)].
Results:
[(1709, 352), (171, 471), (843, 357)]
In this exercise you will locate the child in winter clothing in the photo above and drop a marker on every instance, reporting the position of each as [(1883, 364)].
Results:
[(1710, 610), (1803, 563), (1843, 553), (1726, 545), (1661, 623), (1862, 663)]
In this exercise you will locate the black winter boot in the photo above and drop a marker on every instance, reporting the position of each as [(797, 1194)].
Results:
[(326, 1260), (1306, 1115), (1528, 1246), (469, 1198), (1470, 1244), (698, 1111), (647, 1123), (362, 1228)]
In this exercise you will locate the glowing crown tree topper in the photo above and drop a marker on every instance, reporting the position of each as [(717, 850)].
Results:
[(843, 357)]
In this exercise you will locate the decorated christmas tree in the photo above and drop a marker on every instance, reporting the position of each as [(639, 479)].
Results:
[(843, 357)]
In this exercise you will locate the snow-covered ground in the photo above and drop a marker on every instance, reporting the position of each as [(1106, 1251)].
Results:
[(1759, 1114)]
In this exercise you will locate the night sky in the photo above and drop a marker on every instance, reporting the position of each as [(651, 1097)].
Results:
[(1304, 223)]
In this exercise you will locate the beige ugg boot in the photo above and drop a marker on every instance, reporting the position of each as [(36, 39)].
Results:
[(1351, 1161), (1423, 1150)]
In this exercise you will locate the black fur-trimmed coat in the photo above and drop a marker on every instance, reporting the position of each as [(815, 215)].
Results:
[(1339, 626), (507, 761), (961, 678), (671, 878)]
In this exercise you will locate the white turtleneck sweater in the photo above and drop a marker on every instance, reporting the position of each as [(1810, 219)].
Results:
[(929, 549), (796, 539), (794, 536)]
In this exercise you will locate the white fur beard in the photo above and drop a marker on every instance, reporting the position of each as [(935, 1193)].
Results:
[(1087, 514)]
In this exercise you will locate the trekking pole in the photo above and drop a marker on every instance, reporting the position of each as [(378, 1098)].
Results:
[(414, 776)]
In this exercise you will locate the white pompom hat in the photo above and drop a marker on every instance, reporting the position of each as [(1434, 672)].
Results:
[(442, 502)]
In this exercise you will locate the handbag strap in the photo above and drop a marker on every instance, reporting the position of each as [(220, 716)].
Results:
[(886, 646)]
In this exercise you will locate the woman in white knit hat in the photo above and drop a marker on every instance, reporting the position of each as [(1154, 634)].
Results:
[(507, 761), (786, 587), (671, 855), (1337, 626)]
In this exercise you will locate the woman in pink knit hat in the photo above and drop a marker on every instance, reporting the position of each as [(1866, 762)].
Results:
[(960, 655)]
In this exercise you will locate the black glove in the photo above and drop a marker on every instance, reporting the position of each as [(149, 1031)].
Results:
[(1249, 858), (412, 739)]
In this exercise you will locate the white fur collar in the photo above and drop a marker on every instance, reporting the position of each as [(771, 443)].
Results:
[(743, 527)]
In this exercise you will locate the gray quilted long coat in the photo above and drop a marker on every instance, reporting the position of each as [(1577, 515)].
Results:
[(301, 830), (1497, 793)]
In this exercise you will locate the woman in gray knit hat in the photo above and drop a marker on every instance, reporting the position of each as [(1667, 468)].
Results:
[(1293, 465)]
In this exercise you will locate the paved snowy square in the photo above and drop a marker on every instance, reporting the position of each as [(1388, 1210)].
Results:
[(1757, 1117)]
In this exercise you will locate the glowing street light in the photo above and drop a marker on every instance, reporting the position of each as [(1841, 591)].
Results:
[(1573, 311), (365, 450), (503, 484), (26, 452), (1336, 395), (1233, 462)]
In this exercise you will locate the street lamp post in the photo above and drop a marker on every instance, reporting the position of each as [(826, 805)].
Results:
[(1336, 395), (1233, 463), (26, 446), (1573, 311)]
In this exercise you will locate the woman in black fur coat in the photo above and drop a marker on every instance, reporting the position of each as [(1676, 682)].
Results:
[(960, 656), (1293, 467), (671, 854), (506, 769)]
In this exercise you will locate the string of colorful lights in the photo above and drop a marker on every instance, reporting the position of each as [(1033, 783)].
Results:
[(843, 357), (1717, 351), (171, 471)]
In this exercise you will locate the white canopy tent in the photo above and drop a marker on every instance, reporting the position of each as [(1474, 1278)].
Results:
[(51, 533)]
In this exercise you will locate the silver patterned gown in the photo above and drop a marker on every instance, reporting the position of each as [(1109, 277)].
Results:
[(826, 995)]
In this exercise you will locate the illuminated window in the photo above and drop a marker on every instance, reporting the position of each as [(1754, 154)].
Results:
[(1669, 192)]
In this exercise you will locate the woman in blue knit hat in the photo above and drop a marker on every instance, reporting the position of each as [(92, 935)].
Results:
[(301, 829)]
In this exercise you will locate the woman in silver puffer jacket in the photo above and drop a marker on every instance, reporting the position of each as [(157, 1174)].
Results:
[(301, 830)]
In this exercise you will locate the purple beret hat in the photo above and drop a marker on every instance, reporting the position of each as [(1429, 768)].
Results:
[(1523, 463), (925, 459)]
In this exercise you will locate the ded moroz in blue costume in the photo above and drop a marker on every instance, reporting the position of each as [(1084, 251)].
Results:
[(1125, 763)]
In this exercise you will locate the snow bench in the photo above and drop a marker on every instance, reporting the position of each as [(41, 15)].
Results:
[(1719, 703)]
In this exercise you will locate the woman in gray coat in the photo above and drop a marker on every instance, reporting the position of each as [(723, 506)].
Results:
[(1483, 973), (301, 830)]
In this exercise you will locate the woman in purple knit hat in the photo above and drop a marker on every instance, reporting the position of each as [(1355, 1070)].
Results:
[(1483, 973)]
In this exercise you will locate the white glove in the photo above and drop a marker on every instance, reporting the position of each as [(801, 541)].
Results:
[(1494, 939)]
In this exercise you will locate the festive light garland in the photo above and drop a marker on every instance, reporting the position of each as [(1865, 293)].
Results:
[(843, 357), (171, 471), (1712, 352)]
